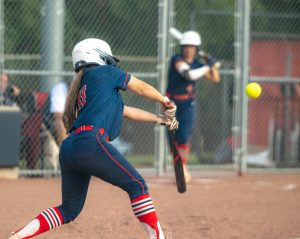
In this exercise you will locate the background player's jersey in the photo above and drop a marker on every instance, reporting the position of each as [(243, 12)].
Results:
[(177, 85), (99, 101)]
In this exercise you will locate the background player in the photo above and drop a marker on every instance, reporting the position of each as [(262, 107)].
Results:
[(58, 96), (93, 116), (185, 69)]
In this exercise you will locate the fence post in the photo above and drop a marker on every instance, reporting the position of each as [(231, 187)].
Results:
[(240, 126), (162, 67), (52, 43), (1, 36)]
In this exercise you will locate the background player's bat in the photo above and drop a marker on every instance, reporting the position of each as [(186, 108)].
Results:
[(175, 33), (178, 35), (178, 166)]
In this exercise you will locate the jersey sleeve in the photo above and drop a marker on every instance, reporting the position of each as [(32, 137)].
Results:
[(121, 78)]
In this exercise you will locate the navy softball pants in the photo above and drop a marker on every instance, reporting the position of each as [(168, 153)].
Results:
[(185, 114), (87, 154)]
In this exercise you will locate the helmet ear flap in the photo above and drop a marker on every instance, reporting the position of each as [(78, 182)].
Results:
[(110, 60), (79, 65)]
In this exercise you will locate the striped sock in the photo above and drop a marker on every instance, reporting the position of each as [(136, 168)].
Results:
[(46, 220), (144, 210)]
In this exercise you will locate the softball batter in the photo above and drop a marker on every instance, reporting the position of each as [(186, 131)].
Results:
[(185, 69), (93, 116)]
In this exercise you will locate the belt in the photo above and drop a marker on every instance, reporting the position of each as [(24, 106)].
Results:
[(91, 127), (181, 96), (84, 128)]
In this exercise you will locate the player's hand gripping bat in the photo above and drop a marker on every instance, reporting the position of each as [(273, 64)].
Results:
[(207, 57), (177, 161)]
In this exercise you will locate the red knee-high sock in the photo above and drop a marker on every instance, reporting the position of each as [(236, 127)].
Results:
[(46, 220), (144, 210), (184, 150)]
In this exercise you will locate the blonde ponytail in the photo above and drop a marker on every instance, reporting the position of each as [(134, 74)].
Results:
[(70, 113)]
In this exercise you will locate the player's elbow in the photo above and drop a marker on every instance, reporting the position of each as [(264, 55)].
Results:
[(216, 80)]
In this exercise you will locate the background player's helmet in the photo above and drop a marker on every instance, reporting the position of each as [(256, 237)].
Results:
[(92, 51), (190, 38)]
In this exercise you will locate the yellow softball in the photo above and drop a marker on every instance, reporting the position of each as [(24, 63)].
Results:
[(253, 90)]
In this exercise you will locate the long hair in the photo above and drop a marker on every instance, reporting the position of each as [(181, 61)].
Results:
[(70, 112)]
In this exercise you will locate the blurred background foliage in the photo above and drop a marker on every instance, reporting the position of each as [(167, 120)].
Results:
[(192, 16)]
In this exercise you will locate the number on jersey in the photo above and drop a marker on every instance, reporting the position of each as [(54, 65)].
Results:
[(81, 100)]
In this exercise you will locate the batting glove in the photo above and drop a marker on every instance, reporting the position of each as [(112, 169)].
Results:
[(169, 108), (162, 120), (171, 124), (211, 61)]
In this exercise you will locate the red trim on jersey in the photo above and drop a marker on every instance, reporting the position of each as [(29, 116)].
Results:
[(125, 81)]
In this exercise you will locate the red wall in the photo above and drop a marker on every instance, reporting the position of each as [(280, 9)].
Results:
[(269, 58)]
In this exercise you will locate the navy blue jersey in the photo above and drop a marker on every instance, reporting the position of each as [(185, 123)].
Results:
[(99, 101), (178, 85)]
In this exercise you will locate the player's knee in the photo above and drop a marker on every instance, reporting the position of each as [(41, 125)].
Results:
[(71, 209), (135, 189)]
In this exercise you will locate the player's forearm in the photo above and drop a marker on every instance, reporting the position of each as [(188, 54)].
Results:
[(152, 94), (139, 115), (213, 75), (196, 74), (189, 74), (143, 89)]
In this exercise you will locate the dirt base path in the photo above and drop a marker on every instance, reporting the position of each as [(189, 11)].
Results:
[(249, 207)]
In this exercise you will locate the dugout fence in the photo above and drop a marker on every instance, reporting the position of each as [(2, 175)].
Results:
[(255, 40)]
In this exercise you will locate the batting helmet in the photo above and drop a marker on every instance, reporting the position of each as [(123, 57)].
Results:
[(190, 38), (92, 51)]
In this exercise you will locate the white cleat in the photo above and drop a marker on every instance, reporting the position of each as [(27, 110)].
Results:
[(187, 175), (169, 235), (13, 236)]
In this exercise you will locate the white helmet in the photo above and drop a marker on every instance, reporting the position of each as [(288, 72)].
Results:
[(190, 38), (92, 51)]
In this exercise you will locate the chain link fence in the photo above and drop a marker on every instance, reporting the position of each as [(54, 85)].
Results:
[(37, 38), (214, 20)]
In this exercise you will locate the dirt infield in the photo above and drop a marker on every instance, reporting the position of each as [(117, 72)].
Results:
[(229, 207)]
